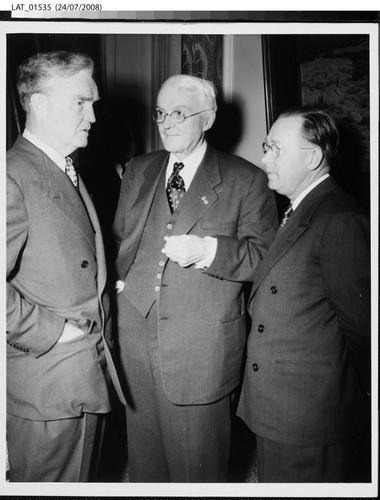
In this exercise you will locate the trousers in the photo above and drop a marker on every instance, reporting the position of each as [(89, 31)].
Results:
[(346, 462), (166, 442), (54, 451)]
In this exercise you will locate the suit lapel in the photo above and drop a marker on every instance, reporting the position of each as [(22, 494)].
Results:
[(142, 200), (201, 195), (284, 240), (99, 247), (296, 226), (57, 187), (152, 176)]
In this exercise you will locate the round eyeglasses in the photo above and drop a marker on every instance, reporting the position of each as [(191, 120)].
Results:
[(276, 150), (159, 116)]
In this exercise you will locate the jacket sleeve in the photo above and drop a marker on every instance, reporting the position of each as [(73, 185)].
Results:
[(237, 258), (345, 263), (127, 229), (118, 228), (30, 327)]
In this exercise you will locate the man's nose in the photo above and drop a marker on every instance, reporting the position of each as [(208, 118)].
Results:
[(168, 122), (90, 114)]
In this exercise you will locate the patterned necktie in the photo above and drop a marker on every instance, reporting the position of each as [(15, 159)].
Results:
[(288, 212), (71, 172), (175, 188)]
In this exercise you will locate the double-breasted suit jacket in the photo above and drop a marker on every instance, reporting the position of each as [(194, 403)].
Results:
[(55, 273), (308, 365), (201, 313)]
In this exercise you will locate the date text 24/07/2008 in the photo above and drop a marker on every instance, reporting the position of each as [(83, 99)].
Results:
[(46, 7)]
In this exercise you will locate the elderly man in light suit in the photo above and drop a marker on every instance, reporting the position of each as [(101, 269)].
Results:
[(192, 225), (58, 360), (307, 377)]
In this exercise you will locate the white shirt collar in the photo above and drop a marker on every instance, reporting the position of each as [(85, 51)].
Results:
[(306, 191), (52, 153), (191, 164)]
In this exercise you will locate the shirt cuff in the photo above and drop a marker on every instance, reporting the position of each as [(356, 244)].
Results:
[(119, 286), (211, 244)]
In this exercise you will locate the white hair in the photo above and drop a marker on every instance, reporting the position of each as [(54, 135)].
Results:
[(192, 83)]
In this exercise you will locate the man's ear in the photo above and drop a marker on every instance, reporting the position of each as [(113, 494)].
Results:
[(315, 158), (38, 104), (209, 121)]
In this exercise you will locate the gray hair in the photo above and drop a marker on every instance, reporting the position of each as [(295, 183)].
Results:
[(33, 74), (192, 83)]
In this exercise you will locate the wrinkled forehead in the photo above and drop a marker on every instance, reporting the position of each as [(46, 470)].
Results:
[(177, 95), (78, 84)]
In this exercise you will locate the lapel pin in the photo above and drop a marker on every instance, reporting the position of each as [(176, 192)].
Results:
[(205, 200)]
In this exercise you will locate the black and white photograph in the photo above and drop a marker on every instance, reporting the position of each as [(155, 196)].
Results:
[(191, 224)]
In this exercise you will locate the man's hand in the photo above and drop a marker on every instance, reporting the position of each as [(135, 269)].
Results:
[(70, 332), (186, 249)]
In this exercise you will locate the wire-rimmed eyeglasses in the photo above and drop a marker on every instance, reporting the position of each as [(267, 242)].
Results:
[(276, 150), (159, 116)]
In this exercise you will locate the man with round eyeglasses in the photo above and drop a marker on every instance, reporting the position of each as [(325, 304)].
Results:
[(275, 150), (192, 225), (159, 116), (307, 379)]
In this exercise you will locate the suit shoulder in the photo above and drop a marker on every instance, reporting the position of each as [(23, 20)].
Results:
[(18, 163), (339, 201), (228, 160), (235, 169), (339, 212), (147, 158), (140, 163)]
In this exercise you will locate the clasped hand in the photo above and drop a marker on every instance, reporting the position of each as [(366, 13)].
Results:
[(186, 249)]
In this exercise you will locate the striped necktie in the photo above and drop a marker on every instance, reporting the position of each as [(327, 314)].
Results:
[(288, 212), (71, 172)]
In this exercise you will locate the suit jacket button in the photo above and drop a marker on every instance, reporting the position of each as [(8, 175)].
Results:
[(273, 289), (84, 264), (255, 367), (260, 328)]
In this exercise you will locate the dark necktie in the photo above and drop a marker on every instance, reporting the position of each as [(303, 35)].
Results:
[(288, 212), (71, 172), (175, 188)]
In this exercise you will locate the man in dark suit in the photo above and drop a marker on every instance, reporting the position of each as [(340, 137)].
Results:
[(307, 375), (58, 360), (192, 225)]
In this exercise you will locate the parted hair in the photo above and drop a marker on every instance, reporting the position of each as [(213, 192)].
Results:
[(318, 128), (35, 72)]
